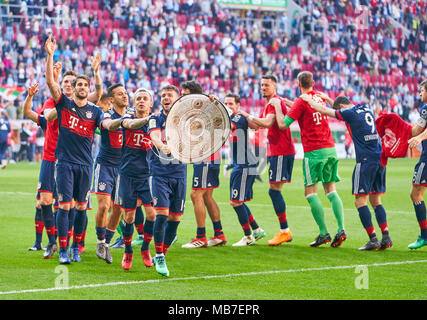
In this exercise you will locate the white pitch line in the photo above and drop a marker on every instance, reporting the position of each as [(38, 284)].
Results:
[(211, 277)]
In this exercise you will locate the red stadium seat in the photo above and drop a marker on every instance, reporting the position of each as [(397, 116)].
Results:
[(101, 23), (75, 31), (106, 15), (85, 32), (64, 34), (55, 31), (88, 5), (80, 5)]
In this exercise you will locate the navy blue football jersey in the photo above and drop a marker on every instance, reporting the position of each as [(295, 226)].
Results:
[(360, 122), (241, 153), (167, 165), (423, 116), (77, 127), (111, 142), (136, 147)]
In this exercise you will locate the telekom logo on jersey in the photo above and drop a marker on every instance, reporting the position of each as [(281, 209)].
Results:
[(82, 127), (318, 117), (138, 139)]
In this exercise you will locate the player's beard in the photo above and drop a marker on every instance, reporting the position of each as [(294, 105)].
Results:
[(80, 97)]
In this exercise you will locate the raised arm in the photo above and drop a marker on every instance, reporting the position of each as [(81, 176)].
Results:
[(28, 112), (51, 114), (53, 86), (323, 109), (94, 97)]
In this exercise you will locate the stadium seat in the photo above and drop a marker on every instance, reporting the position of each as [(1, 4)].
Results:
[(55, 31), (85, 32), (63, 33), (80, 5), (106, 15), (109, 24)]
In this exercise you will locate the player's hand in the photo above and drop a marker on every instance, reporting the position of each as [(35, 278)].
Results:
[(212, 98), (323, 95), (57, 68), (305, 97), (414, 142), (288, 102), (243, 113), (95, 62), (50, 45), (32, 90), (165, 149), (275, 102)]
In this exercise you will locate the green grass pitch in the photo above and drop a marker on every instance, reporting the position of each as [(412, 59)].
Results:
[(290, 271)]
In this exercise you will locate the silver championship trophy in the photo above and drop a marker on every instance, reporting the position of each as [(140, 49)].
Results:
[(196, 128)]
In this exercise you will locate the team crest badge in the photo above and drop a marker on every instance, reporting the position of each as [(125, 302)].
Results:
[(89, 114), (154, 201), (102, 186), (60, 197)]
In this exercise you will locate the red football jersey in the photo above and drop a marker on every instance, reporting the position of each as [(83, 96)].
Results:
[(280, 142), (51, 134), (315, 131)]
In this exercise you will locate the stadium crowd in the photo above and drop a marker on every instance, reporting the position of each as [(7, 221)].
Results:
[(149, 43)]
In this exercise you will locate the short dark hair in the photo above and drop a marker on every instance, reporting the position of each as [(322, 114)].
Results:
[(423, 84), (80, 76), (112, 87), (170, 87), (193, 86), (340, 100), (270, 77), (104, 96), (305, 78), (236, 97), (68, 73)]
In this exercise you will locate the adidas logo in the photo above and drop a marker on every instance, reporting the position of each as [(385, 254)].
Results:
[(424, 181), (209, 185), (361, 190)]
